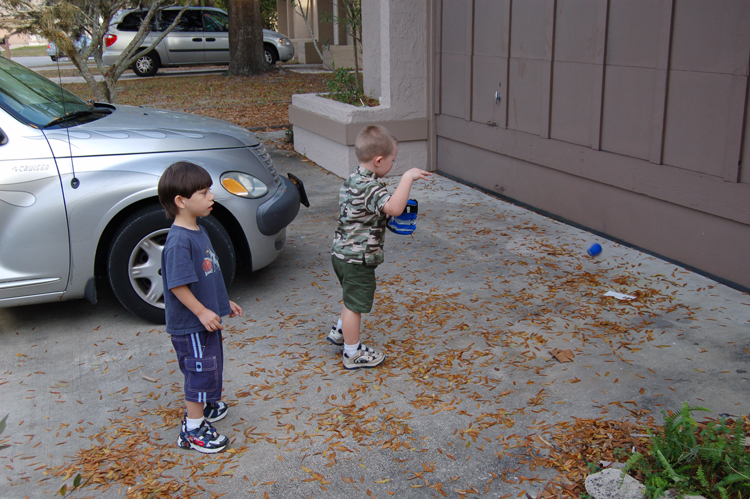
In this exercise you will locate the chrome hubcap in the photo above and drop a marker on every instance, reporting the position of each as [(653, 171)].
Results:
[(144, 268), (144, 64)]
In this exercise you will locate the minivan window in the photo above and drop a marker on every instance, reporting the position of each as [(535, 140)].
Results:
[(132, 22), (190, 21), (215, 22)]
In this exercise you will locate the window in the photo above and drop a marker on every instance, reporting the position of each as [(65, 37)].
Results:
[(131, 22), (190, 21), (215, 21)]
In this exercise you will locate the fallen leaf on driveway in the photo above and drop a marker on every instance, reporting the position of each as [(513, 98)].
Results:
[(563, 355)]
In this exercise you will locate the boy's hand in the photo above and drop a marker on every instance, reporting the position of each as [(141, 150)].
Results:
[(236, 309), (397, 202), (210, 320), (417, 174)]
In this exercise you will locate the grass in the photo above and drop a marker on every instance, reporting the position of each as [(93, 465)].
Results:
[(28, 51)]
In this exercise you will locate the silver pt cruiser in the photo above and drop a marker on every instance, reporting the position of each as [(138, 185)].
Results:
[(78, 194)]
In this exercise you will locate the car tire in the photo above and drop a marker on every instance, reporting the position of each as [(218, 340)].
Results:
[(53, 57), (270, 54), (146, 65), (134, 260)]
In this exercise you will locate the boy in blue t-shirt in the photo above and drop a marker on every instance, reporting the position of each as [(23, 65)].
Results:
[(195, 298)]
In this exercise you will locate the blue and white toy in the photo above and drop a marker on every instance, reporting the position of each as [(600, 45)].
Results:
[(406, 222)]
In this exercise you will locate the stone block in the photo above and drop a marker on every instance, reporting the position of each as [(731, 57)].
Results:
[(609, 484)]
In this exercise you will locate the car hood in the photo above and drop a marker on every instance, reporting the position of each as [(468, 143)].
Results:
[(139, 130)]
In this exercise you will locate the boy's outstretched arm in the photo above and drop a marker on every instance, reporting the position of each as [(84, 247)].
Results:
[(397, 202), (210, 319)]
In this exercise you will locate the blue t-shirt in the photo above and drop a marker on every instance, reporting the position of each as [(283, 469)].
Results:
[(188, 258)]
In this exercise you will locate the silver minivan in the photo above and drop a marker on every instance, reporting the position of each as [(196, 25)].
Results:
[(201, 37), (78, 201)]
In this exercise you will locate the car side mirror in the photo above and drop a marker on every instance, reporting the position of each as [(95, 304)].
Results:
[(3, 138)]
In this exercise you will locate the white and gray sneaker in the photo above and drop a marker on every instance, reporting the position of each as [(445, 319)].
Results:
[(365, 357), (336, 336)]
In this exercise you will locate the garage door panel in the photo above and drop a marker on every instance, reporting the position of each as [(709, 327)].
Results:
[(453, 88), (524, 95), (570, 118), (628, 107), (485, 107), (698, 105)]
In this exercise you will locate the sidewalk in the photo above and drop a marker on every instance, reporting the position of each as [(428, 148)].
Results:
[(468, 310), (45, 64)]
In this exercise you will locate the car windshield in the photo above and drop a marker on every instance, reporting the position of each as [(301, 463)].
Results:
[(33, 99)]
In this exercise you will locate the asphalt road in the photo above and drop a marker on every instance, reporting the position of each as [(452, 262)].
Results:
[(468, 309), (35, 61)]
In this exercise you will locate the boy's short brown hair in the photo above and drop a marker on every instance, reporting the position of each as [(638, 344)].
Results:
[(181, 179), (374, 140)]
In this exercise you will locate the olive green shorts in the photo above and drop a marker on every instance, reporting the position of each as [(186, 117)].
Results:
[(358, 282)]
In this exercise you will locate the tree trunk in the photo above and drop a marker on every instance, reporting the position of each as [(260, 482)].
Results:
[(246, 57), (356, 68)]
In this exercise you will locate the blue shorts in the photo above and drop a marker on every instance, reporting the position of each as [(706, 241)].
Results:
[(201, 360)]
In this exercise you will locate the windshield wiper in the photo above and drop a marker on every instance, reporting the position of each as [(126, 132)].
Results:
[(75, 115)]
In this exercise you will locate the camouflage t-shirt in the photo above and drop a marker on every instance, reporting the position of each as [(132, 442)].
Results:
[(360, 233)]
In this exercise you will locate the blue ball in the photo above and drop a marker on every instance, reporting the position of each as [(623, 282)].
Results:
[(594, 249)]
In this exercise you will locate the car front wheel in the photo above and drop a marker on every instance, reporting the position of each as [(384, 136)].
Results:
[(271, 55), (134, 261), (146, 65)]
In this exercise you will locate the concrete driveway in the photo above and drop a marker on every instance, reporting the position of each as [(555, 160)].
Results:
[(468, 310)]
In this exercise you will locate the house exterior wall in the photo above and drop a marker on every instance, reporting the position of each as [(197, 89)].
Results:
[(20, 40), (332, 38), (628, 117), (396, 69)]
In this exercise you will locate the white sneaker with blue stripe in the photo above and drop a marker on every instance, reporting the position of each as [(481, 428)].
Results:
[(336, 336)]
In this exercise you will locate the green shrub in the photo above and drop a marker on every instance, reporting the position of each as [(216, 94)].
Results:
[(344, 87), (709, 459)]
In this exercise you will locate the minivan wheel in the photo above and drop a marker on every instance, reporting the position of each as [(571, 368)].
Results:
[(271, 55), (134, 260), (146, 65)]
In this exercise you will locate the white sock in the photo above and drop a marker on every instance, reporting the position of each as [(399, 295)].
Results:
[(339, 325), (192, 424), (350, 350)]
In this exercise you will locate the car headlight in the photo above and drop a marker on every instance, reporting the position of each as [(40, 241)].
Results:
[(283, 41), (243, 185)]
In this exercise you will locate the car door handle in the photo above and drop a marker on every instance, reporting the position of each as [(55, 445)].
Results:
[(210, 39), (197, 39)]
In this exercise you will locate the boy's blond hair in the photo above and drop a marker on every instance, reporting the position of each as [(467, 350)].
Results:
[(372, 141)]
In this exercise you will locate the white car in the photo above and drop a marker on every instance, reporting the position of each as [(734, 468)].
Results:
[(78, 195), (54, 53), (201, 37)]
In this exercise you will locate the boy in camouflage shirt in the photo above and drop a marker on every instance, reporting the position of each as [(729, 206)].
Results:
[(358, 241)]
